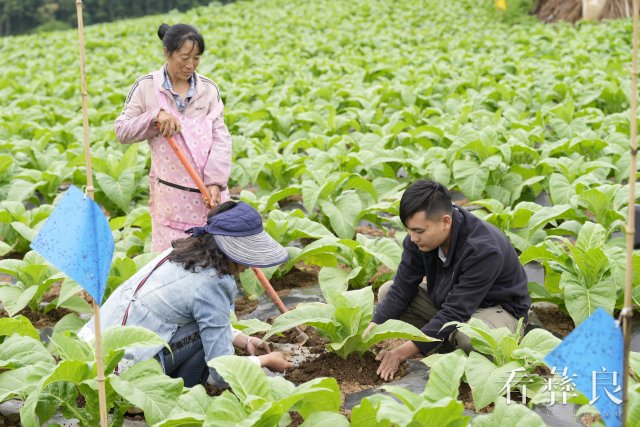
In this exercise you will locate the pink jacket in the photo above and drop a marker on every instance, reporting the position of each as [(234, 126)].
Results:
[(204, 139), (138, 120)]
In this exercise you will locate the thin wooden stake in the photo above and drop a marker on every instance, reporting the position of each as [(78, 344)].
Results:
[(102, 395), (627, 311)]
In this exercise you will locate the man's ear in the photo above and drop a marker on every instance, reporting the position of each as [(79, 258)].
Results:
[(447, 220)]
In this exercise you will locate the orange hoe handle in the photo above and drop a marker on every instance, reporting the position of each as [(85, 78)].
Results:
[(269, 289), (205, 193), (192, 172)]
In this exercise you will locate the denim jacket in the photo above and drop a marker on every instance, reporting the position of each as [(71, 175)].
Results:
[(172, 297)]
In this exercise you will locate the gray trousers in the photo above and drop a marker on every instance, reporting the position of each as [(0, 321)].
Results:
[(422, 310)]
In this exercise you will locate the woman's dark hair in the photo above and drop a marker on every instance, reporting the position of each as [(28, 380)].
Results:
[(202, 251), (174, 36), (424, 195)]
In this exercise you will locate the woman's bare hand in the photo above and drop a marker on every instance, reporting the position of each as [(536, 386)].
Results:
[(169, 125), (275, 361)]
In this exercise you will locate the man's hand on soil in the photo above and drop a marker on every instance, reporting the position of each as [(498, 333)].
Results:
[(390, 360)]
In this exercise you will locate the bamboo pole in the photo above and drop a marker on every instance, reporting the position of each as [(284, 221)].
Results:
[(102, 395), (627, 312)]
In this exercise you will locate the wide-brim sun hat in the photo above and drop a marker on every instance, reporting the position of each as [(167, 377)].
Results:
[(239, 234)]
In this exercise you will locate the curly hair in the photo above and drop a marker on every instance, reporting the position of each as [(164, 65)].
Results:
[(202, 251)]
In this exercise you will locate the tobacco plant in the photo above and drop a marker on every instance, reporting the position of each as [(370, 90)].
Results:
[(343, 319), (33, 275), (501, 362), (583, 275), (258, 399)]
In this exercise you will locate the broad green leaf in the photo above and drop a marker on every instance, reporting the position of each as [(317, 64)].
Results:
[(445, 375), (5, 163), (147, 387), (5, 248), (343, 213), (76, 303), (491, 205), (445, 412), (22, 190), (304, 227), (537, 253), (118, 190), (14, 298), (484, 339), (279, 195), (250, 326), (25, 231), (68, 289), (321, 252), (226, 410), (333, 281), (70, 347), (536, 345), (366, 414), (70, 322), (560, 189), (384, 249), (22, 381), (488, 381), (592, 264), (250, 282), (316, 314), (182, 420), (591, 236), (18, 325), (471, 179), (633, 408), (245, 378), (582, 301), (546, 215), (17, 351), (394, 328), (317, 395), (359, 183), (73, 371), (509, 415), (117, 338), (325, 419)]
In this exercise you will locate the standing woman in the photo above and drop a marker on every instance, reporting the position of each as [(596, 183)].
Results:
[(177, 102)]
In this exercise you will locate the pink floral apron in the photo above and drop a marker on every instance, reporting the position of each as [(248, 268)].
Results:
[(174, 210)]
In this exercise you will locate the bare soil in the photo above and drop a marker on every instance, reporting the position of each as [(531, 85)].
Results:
[(40, 319), (296, 278), (554, 320), (353, 374), (314, 343), (376, 232), (245, 305)]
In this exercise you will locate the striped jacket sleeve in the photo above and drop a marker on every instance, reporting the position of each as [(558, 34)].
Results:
[(218, 167), (137, 122)]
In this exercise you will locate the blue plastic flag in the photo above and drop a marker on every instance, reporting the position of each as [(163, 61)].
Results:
[(76, 238), (592, 355)]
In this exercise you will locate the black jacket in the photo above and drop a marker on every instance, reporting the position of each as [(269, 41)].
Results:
[(481, 270)]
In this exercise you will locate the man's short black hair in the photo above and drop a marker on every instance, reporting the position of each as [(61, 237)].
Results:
[(424, 195)]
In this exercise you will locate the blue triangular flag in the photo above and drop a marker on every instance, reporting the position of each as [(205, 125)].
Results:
[(592, 355), (76, 238)]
